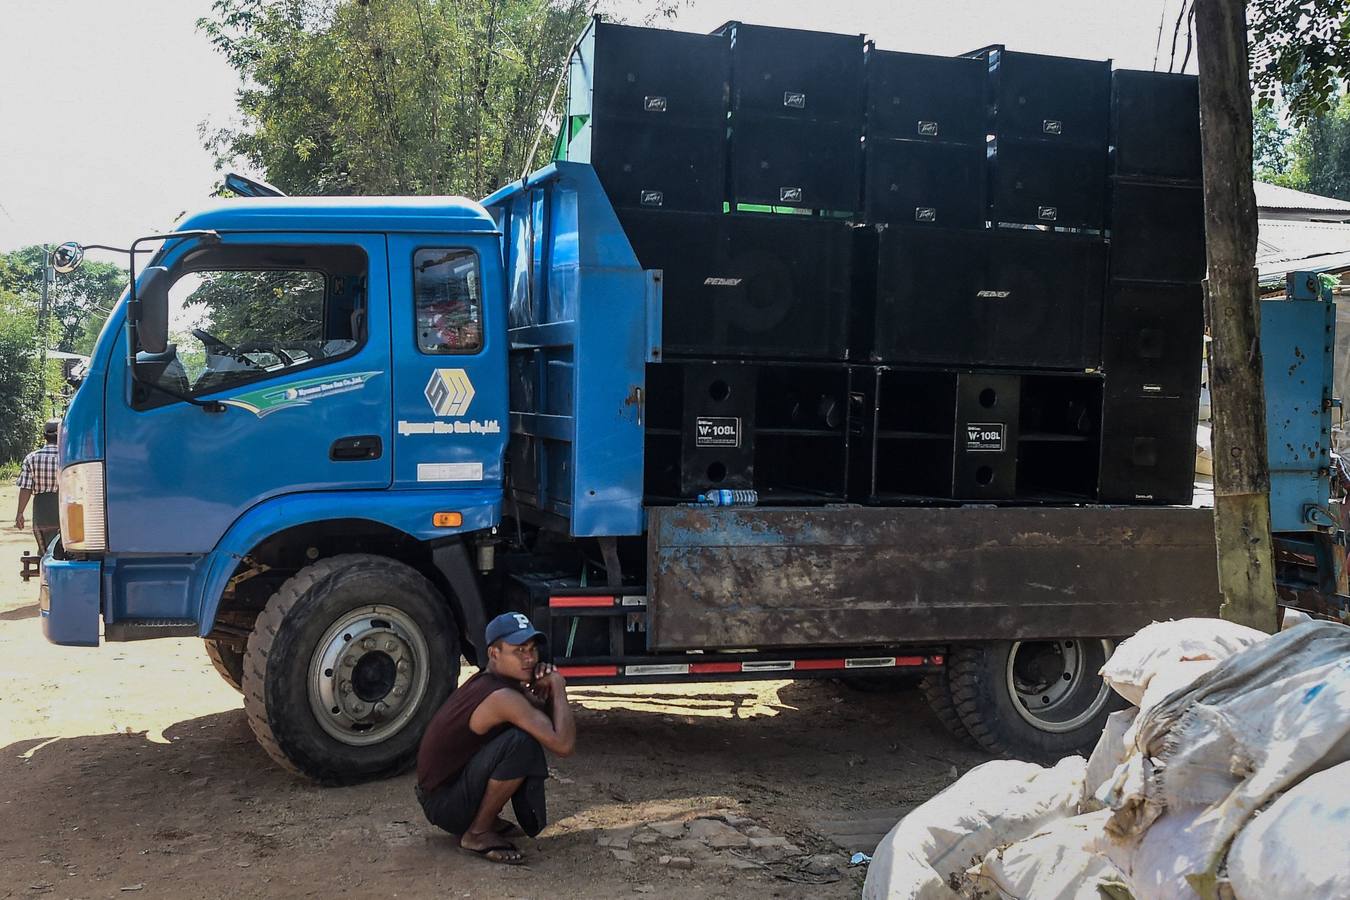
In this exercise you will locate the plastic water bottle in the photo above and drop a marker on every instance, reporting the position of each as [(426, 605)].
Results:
[(724, 497)]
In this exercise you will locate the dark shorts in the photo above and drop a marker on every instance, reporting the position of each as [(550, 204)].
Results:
[(46, 519), (510, 755)]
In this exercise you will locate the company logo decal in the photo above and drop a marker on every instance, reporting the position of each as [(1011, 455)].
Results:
[(790, 195), (928, 129), (721, 282), (654, 104), (794, 100), (1047, 213), (925, 214), (265, 401), (449, 392), (1052, 126), (653, 198), (993, 295)]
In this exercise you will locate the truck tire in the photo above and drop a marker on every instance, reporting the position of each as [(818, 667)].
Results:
[(1034, 700), (346, 665), (938, 692), (228, 661)]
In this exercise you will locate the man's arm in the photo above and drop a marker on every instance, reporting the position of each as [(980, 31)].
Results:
[(24, 495), (557, 734)]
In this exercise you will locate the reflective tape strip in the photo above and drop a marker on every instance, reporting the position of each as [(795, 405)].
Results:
[(910, 660), (579, 602), (636, 600), (714, 668), (588, 671), (767, 665), (807, 664), (873, 662), (657, 669)]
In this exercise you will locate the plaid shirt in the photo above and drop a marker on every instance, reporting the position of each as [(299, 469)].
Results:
[(41, 470)]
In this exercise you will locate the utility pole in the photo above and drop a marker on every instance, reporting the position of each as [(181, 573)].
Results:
[(48, 276), (1241, 472)]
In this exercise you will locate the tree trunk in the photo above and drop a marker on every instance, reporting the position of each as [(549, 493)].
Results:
[(1241, 473)]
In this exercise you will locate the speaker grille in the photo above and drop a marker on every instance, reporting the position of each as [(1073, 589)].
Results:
[(926, 98)]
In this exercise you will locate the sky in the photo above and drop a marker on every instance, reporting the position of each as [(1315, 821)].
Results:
[(101, 100)]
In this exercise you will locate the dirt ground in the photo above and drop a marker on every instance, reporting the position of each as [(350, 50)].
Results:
[(129, 771)]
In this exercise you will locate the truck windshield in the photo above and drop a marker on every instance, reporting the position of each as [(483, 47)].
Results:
[(240, 314)]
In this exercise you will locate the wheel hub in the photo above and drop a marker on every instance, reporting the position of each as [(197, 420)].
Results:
[(1053, 683), (368, 674)]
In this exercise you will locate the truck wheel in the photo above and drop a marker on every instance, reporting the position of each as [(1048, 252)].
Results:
[(228, 661), (938, 692), (1038, 700), (346, 665)]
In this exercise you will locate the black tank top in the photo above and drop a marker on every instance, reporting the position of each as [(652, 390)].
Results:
[(449, 743)]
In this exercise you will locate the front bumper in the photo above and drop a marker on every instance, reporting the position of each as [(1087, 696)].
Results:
[(70, 600)]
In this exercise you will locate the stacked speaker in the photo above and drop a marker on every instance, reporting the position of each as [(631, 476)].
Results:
[(1154, 327), (894, 278)]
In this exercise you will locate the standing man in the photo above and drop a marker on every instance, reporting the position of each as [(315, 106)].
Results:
[(486, 744), (38, 479)]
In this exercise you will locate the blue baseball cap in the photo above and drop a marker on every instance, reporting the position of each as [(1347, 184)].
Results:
[(514, 628)]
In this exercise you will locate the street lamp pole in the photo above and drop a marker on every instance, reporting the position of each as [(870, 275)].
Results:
[(48, 276)]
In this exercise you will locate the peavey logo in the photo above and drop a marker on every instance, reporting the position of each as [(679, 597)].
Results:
[(794, 100), (1047, 213), (993, 295), (654, 104), (722, 282), (1052, 126), (928, 129), (925, 214), (652, 198), (790, 195)]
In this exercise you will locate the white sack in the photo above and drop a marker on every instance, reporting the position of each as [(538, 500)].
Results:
[(1156, 865), (1293, 618), (1055, 863), (1107, 756), (1299, 848), (996, 803), (1260, 722), (1137, 658)]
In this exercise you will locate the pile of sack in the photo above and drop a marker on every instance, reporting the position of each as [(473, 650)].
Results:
[(1229, 778)]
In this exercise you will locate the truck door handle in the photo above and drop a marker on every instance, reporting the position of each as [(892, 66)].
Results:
[(350, 449)]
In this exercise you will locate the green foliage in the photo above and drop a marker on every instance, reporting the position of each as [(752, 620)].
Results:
[(1314, 158), (1270, 145), (1300, 50), (390, 96), (78, 305)]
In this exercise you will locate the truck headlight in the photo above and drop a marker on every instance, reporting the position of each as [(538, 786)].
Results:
[(84, 523)]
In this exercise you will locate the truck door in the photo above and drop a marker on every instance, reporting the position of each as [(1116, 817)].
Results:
[(289, 334), (449, 353)]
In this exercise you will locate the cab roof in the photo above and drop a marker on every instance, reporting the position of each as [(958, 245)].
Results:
[(458, 215)]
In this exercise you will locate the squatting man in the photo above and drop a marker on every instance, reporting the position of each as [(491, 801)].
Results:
[(486, 744)]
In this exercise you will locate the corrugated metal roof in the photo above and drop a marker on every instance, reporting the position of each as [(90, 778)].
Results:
[(1284, 246), (1272, 196)]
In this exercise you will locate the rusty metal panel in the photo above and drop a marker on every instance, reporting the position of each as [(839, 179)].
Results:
[(766, 577)]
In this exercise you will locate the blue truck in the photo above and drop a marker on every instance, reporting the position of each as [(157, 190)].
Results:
[(445, 420)]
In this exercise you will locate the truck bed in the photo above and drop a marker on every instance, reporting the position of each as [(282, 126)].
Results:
[(727, 578)]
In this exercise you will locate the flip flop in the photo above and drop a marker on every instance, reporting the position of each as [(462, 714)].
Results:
[(486, 852)]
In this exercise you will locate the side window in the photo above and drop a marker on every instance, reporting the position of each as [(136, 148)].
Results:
[(448, 300), (239, 314)]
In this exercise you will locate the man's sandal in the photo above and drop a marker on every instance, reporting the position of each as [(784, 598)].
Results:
[(500, 849)]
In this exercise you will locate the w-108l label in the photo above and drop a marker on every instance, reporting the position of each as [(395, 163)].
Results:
[(717, 431), (984, 437)]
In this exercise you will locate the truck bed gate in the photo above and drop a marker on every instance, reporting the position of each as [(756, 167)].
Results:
[(791, 577)]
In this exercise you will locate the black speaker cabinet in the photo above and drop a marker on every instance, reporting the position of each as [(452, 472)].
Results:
[(748, 286), (657, 74), (1039, 183), (802, 165), (1049, 98), (1148, 449), (924, 183), (986, 436), (1157, 231), (803, 423), (660, 165), (808, 75), (926, 98), (1155, 124), (997, 297), (717, 427), (1153, 339)]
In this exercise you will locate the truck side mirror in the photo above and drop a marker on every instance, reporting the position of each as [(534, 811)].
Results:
[(152, 325)]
